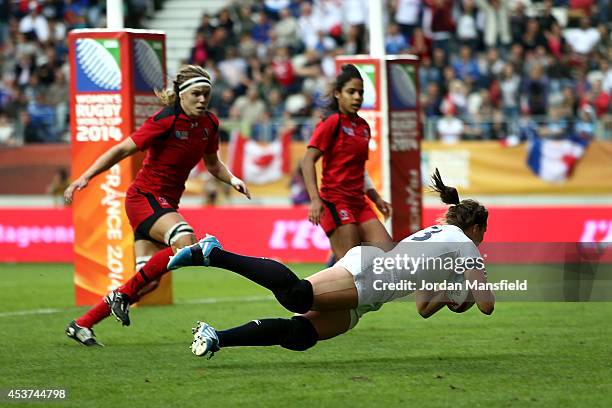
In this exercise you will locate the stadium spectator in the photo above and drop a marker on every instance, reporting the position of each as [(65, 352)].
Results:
[(533, 37), (582, 40), (457, 95), (429, 74), (283, 71), (233, 68), (585, 125), (556, 126), (432, 101), (441, 22), (309, 25), (58, 97), (286, 31), (331, 302), (250, 107), (407, 14), (535, 91), (546, 18), (215, 45), (275, 103), (466, 66), (206, 27), (598, 98), (199, 54), (518, 22), (467, 29), (7, 131), (261, 29), (274, 7), (510, 86), (450, 128), (173, 140), (420, 45), (224, 20), (606, 72), (496, 22), (395, 42), (34, 25), (355, 16), (555, 43), (569, 103), (490, 68), (222, 104), (342, 138)]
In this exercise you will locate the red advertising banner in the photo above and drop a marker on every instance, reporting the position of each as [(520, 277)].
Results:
[(284, 233), (113, 74), (404, 144)]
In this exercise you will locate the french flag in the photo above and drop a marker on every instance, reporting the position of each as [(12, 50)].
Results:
[(554, 160)]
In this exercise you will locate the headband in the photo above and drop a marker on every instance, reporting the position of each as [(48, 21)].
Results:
[(193, 82)]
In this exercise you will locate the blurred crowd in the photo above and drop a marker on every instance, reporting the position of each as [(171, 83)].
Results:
[(488, 67)]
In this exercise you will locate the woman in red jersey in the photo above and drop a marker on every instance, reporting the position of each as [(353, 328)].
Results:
[(342, 139), (175, 139)]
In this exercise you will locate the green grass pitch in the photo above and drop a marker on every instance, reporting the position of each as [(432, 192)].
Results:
[(525, 354)]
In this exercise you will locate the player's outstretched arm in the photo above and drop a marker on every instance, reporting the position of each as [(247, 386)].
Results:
[(309, 172), (429, 302), (112, 156), (485, 299), (218, 169), (368, 188)]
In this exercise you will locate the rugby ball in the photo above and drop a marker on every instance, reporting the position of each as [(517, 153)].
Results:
[(460, 298)]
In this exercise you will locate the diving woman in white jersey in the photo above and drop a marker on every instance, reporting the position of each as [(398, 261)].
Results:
[(331, 301)]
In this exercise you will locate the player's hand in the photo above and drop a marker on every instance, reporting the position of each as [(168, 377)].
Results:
[(76, 185), (384, 207), (240, 186), (315, 210)]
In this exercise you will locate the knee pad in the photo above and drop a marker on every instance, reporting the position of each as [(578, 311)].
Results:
[(298, 298), (302, 335), (178, 230)]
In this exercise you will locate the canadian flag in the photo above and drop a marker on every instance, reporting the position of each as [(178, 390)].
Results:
[(259, 163)]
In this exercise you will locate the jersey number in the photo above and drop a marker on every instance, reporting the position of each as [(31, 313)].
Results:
[(427, 234)]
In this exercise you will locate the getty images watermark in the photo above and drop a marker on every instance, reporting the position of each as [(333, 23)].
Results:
[(515, 271), (410, 273)]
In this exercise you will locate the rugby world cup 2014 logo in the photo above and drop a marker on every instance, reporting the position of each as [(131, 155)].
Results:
[(97, 63), (403, 94), (148, 67)]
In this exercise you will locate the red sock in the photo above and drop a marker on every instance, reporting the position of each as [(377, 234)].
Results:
[(97, 313), (154, 269)]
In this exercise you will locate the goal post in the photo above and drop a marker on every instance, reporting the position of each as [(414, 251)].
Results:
[(391, 108), (112, 77)]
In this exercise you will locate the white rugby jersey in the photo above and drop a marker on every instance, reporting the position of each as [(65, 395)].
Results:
[(433, 254)]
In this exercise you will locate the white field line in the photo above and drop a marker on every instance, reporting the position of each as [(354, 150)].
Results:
[(202, 301)]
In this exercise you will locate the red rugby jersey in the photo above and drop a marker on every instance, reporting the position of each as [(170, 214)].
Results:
[(173, 149), (345, 152)]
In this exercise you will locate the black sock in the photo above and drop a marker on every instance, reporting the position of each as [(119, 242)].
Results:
[(264, 332), (265, 272), (296, 333)]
